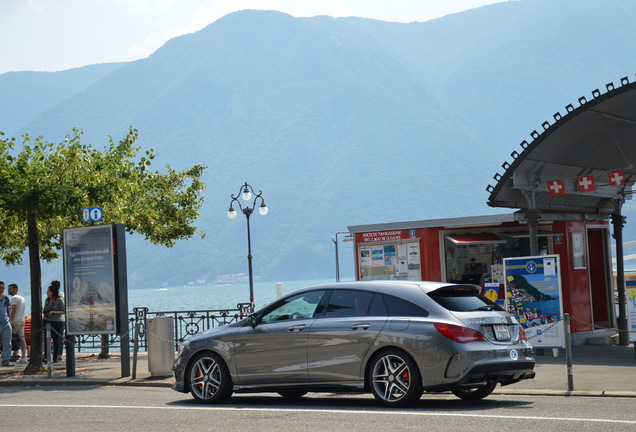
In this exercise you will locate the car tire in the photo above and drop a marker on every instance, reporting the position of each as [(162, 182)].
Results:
[(475, 393), (209, 379), (292, 394), (394, 379)]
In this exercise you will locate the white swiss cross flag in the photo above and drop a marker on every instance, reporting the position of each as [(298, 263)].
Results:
[(586, 184), (617, 177), (556, 187)]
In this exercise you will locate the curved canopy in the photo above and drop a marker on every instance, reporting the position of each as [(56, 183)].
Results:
[(575, 164)]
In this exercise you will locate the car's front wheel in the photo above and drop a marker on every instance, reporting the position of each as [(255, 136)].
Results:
[(210, 380), (475, 393), (394, 379)]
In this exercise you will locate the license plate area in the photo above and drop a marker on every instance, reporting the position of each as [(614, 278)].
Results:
[(502, 333)]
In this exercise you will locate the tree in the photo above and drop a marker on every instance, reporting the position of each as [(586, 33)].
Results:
[(44, 186)]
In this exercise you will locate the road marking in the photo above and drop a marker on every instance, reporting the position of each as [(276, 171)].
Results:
[(329, 411)]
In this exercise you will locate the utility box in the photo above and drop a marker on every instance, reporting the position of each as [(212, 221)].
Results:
[(160, 346)]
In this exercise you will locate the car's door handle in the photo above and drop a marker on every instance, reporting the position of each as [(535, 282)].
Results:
[(296, 328), (361, 326)]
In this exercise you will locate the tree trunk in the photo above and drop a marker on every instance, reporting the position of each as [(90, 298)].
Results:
[(35, 362), (104, 353)]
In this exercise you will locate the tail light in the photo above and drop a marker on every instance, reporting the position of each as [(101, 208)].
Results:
[(522, 334), (460, 334)]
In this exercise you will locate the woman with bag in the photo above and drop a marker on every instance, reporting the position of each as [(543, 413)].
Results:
[(53, 311)]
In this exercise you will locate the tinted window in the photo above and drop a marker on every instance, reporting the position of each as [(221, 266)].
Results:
[(399, 307), (295, 307), (347, 303), (462, 299), (378, 308)]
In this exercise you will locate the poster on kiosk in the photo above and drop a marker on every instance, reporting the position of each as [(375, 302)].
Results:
[(631, 310), (533, 295)]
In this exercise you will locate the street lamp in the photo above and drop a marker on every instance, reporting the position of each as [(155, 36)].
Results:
[(246, 193), (335, 242)]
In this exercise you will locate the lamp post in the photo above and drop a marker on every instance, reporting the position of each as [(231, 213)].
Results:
[(335, 242), (246, 193)]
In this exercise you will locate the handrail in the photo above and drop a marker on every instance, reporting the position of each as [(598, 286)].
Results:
[(186, 324)]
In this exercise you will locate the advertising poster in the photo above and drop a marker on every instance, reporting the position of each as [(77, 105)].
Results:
[(631, 310), (89, 280), (533, 295)]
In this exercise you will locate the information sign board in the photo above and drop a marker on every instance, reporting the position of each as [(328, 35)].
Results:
[(533, 295)]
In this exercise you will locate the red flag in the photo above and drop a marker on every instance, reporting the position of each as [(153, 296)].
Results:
[(617, 177), (586, 184), (556, 187)]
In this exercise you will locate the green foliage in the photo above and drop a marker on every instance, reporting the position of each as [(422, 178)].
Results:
[(55, 181), (44, 186)]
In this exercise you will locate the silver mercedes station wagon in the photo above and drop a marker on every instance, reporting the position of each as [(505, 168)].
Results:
[(395, 339)]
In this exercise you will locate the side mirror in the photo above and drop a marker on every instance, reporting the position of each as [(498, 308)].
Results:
[(252, 319)]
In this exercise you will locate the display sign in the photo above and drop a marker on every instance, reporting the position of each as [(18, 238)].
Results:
[(631, 310), (399, 260), (92, 214), (533, 295), (89, 271)]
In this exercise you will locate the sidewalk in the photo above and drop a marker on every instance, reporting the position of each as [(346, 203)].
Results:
[(598, 370)]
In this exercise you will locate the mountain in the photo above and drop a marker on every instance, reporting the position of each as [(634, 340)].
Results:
[(338, 121)]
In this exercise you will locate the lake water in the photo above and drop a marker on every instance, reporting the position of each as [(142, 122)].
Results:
[(202, 297), (205, 297)]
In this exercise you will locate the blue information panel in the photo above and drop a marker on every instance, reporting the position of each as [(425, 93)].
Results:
[(92, 214), (533, 295)]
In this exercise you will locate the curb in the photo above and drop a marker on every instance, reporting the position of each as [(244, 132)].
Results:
[(48, 382), (566, 393), (123, 382)]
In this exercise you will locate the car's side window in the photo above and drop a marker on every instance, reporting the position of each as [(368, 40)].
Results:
[(378, 308), (399, 307), (295, 307), (347, 303)]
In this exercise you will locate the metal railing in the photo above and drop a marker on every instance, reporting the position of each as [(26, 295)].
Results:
[(186, 324)]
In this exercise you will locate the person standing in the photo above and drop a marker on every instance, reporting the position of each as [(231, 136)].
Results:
[(16, 316), (5, 326), (53, 311), (56, 283)]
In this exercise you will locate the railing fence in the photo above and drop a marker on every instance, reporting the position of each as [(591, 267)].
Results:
[(186, 324)]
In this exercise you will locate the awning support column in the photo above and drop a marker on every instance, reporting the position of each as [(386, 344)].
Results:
[(618, 221), (533, 218)]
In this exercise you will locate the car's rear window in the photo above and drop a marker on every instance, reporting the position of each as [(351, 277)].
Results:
[(462, 298), (400, 307)]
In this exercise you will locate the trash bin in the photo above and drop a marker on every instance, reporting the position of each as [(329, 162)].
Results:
[(160, 346)]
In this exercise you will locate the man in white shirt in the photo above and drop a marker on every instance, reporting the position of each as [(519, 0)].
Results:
[(16, 316)]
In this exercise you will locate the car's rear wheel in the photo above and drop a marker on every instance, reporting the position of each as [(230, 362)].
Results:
[(394, 379), (292, 394), (210, 380), (475, 393)]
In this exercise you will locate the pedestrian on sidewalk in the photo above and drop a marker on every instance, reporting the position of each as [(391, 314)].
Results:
[(5, 326), (58, 284), (53, 311), (16, 316)]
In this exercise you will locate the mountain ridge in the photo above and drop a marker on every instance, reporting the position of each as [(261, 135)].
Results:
[(340, 121)]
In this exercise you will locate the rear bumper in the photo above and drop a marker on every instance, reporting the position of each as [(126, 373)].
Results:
[(504, 374), (473, 368)]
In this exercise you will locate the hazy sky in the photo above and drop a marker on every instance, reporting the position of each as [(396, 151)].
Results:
[(51, 35)]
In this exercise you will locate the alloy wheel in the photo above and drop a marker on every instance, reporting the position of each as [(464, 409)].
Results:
[(209, 379), (395, 379)]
